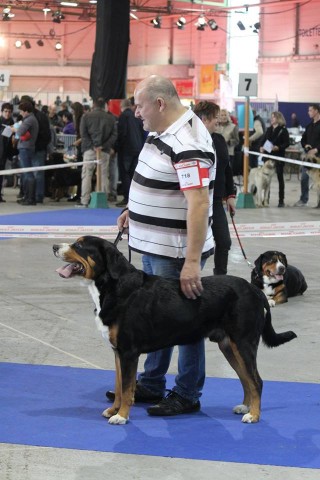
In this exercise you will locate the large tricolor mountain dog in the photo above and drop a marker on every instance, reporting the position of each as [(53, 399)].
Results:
[(143, 313), (276, 278)]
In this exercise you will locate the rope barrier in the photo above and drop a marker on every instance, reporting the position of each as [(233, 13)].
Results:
[(287, 160), (14, 171)]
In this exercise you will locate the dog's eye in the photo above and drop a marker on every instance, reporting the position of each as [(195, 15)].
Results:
[(77, 245)]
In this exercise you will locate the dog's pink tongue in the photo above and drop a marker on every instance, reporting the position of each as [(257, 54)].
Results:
[(278, 277), (65, 271)]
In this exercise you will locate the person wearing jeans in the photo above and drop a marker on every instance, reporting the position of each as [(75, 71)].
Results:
[(27, 133), (169, 219), (191, 366)]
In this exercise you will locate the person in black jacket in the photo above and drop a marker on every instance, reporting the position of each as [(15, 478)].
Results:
[(129, 144), (6, 148), (223, 187), (42, 142), (310, 143), (275, 142)]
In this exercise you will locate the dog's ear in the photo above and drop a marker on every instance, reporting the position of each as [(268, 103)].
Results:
[(258, 263), (116, 263), (283, 259)]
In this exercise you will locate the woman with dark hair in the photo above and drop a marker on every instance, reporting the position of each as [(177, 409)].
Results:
[(275, 141), (68, 128)]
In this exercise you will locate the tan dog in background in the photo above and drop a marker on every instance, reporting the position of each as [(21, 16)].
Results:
[(260, 181), (314, 174)]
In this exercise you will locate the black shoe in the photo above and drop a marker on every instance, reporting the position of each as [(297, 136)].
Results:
[(141, 395), (75, 198), (280, 204), (173, 404)]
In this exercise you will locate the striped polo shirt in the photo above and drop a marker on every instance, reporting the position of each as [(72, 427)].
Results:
[(157, 205)]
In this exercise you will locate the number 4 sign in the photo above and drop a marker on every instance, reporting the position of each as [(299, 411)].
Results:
[(248, 85)]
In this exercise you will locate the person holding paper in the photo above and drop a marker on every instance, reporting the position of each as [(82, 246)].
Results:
[(6, 148), (275, 142)]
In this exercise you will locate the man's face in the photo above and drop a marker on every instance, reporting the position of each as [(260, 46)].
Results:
[(210, 123), (6, 113), (312, 112), (147, 110)]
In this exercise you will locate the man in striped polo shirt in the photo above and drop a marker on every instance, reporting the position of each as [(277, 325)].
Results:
[(169, 218)]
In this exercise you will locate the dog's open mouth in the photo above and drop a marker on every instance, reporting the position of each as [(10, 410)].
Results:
[(71, 269), (276, 276)]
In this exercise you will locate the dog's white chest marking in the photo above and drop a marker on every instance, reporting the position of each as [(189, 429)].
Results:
[(94, 292)]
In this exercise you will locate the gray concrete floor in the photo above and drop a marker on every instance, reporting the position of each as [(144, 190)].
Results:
[(40, 324)]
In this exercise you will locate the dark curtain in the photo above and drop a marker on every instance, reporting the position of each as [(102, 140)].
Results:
[(109, 62)]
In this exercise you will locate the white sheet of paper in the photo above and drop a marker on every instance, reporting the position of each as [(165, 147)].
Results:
[(7, 132), (268, 146)]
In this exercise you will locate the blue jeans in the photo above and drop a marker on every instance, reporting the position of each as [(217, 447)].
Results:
[(25, 158), (304, 182), (39, 160), (191, 361)]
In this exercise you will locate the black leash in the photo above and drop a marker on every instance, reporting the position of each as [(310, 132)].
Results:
[(118, 239), (243, 252)]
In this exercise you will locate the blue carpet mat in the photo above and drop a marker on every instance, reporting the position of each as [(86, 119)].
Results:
[(89, 216), (61, 407)]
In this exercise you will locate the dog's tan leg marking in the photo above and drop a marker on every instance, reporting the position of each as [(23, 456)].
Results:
[(113, 410), (226, 349), (252, 384), (128, 382)]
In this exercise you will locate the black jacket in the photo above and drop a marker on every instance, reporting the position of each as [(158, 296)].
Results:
[(223, 184), (311, 135), (131, 135), (44, 134), (279, 137)]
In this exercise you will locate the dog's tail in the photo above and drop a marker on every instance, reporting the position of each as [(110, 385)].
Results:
[(269, 336)]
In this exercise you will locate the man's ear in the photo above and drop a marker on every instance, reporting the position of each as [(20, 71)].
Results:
[(161, 104)]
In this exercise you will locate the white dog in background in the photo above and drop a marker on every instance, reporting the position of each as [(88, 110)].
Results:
[(260, 181)]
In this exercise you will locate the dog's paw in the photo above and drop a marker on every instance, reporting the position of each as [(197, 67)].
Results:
[(118, 420), (272, 303), (248, 418), (109, 412), (241, 409)]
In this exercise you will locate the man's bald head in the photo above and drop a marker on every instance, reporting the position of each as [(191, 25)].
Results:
[(156, 86)]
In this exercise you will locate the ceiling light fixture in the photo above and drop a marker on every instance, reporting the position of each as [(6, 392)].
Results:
[(201, 23), (132, 15), (240, 25), (156, 22), (69, 4), (46, 9), (18, 44), (40, 42), (181, 23), (27, 44), (7, 14), (213, 25), (57, 16), (58, 46)]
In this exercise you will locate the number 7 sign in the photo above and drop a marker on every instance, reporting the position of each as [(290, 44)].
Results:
[(248, 85)]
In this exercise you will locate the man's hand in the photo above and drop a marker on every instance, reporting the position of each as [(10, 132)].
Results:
[(123, 222), (190, 280)]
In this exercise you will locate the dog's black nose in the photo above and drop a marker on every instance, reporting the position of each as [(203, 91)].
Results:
[(282, 270), (55, 248)]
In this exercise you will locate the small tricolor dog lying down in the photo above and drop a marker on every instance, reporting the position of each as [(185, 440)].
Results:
[(276, 278), (142, 313)]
